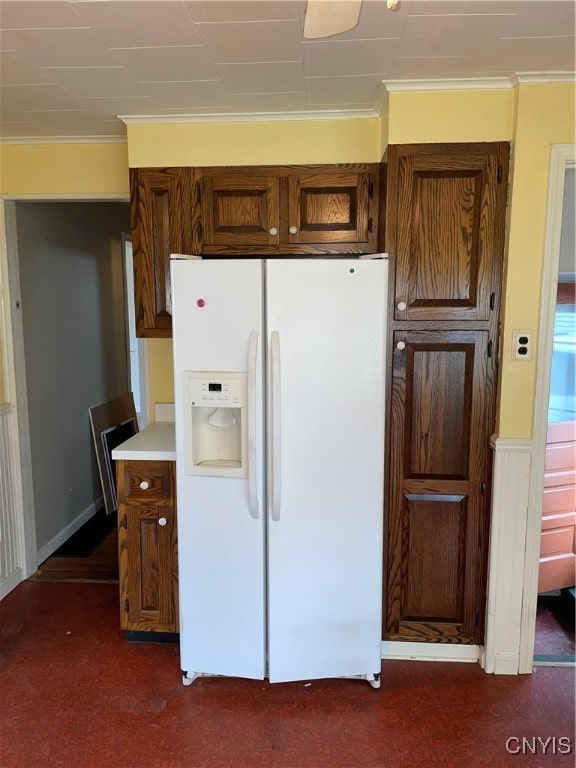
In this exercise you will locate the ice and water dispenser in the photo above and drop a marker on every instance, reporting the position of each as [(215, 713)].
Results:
[(215, 423)]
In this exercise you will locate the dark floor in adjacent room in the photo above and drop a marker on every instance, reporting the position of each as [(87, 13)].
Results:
[(554, 642), (76, 694)]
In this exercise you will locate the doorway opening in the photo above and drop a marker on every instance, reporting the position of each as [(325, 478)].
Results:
[(137, 361), (555, 616), (67, 267)]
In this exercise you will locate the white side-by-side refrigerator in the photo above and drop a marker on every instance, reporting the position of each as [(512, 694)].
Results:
[(279, 395)]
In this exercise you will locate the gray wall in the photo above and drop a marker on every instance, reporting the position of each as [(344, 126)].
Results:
[(567, 239), (73, 312)]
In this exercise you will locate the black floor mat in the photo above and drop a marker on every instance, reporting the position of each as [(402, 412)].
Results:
[(87, 538)]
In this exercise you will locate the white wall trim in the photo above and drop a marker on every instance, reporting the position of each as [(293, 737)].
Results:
[(408, 651), (64, 140), (512, 463), (54, 543), (11, 582), (562, 156), (15, 384), (249, 117), (477, 83), (72, 196)]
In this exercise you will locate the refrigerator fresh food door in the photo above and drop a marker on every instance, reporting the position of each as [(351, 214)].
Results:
[(325, 337), (217, 309)]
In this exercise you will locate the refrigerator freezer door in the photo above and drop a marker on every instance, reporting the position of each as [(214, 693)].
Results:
[(217, 309), (325, 540)]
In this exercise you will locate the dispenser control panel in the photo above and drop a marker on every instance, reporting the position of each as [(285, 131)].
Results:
[(219, 392), (215, 423)]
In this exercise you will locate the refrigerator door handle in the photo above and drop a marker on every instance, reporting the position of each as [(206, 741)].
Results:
[(252, 371), (275, 480)]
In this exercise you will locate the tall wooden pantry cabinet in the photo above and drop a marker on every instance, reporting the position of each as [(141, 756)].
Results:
[(444, 233)]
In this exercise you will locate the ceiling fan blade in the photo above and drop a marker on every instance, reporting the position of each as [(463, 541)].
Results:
[(330, 17)]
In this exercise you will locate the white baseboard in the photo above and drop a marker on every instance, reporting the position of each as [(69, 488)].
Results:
[(8, 584), (510, 497), (503, 664), (407, 651), (56, 542)]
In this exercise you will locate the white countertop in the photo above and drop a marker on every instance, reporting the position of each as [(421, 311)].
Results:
[(155, 442)]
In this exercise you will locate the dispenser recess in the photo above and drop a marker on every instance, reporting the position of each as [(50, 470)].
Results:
[(215, 423)]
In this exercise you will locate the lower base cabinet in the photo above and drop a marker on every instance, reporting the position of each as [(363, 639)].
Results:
[(147, 546)]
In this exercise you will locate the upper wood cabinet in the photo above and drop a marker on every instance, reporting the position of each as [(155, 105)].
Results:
[(161, 224), (239, 209), (243, 211), (289, 210), (331, 207), (445, 228)]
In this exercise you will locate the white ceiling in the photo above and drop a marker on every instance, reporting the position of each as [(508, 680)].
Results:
[(69, 69)]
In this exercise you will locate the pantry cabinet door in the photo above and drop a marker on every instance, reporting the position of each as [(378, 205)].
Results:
[(445, 228), (442, 402)]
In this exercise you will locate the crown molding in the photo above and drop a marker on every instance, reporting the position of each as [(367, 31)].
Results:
[(478, 83), (63, 140), (248, 117), (458, 84), (543, 77)]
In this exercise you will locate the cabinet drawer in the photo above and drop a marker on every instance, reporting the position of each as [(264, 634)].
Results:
[(146, 481)]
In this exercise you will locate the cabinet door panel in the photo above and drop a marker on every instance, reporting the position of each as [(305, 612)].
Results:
[(437, 506), (161, 225), (147, 548), (446, 228), (328, 207), (240, 211), (434, 579)]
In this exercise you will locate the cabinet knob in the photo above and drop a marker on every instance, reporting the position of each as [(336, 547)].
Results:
[(401, 306), (273, 231), (293, 230), (144, 485), (401, 345), (162, 521)]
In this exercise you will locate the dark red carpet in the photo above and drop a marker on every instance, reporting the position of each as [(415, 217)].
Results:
[(76, 694)]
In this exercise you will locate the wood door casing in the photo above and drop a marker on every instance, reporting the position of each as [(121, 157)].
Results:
[(437, 510), (446, 229)]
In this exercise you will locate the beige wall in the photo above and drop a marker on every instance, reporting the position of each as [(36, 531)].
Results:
[(263, 143), (2, 391), (532, 117), (544, 116), (64, 169), (436, 116)]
